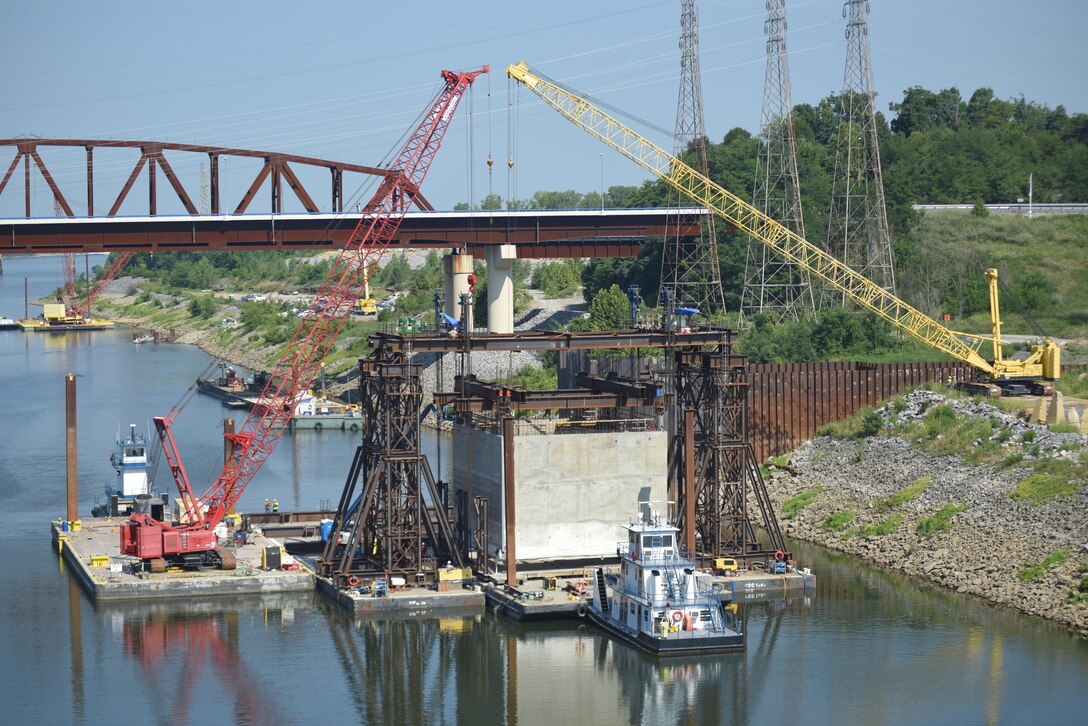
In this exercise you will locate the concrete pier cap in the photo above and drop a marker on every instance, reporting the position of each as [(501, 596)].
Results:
[(500, 288), (456, 266)]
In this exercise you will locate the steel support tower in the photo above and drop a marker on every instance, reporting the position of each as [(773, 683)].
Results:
[(689, 266), (713, 452), (388, 528), (858, 225), (772, 284)]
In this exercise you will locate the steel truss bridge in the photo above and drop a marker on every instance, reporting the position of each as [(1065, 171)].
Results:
[(536, 233)]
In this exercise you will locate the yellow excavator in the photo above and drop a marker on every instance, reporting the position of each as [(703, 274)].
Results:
[(997, 376)]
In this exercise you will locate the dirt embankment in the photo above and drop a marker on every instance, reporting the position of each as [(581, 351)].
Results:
[(991, 538)]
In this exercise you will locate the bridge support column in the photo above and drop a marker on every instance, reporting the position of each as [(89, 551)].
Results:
[(500, 288), (457, 267)]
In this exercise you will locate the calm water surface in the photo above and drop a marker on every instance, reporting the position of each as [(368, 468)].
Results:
[(867, 647)]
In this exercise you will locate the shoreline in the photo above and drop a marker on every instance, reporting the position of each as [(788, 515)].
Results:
[(988, 546)]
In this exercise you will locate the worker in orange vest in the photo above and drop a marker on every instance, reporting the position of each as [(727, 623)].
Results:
[(267, 505)]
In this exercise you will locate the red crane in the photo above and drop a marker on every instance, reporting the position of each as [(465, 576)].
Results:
[(73, 308), (192, 542)]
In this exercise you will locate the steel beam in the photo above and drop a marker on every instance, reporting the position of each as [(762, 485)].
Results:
[(541, 340), (536, 234)]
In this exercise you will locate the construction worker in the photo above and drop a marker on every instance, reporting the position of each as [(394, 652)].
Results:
[(267, 505), (275, 505)]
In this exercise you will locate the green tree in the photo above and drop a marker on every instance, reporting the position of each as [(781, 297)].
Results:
[(610, 310)]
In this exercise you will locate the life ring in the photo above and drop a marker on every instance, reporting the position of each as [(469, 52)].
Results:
[(582, 610), (355, 427), (677, 616), (317, 426), (353, 581), (779, 555)]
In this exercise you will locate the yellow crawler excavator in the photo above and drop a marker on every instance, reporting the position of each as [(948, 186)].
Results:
[(996, 376)]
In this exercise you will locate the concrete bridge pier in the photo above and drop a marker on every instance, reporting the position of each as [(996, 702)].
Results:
[(500, 288), (457, 266)]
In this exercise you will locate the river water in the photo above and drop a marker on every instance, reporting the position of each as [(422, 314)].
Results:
[(867, 646)]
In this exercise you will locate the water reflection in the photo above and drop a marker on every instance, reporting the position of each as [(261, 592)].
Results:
[(404, 669), (191, 655)]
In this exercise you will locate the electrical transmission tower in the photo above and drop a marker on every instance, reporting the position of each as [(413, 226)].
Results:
[(771, 284), (689, 267), (857, 231)]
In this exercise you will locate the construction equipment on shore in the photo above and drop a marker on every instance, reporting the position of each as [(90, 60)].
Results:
[(999, 374), (193, 542)]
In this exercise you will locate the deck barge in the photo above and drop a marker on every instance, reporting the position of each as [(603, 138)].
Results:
[(93, 554), (530, 600)]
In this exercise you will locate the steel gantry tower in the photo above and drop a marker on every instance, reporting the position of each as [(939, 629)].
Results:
[(689, 265), (772, 284), (858, 225)]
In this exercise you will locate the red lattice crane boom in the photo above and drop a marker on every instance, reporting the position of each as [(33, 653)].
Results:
[(75, 308), (194, 542)]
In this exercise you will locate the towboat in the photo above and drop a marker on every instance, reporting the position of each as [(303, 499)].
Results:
[(130, 461), (660, 602)]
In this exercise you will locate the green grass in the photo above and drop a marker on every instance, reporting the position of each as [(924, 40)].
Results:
[(1052, 478), (1064, 428), (533, 379), (1036, 572), (1057, 253), (940, 521), (796, 503), (1039, 487), (888, 526), (943, 433), (907, 493), (1074, 384), (838, 522)]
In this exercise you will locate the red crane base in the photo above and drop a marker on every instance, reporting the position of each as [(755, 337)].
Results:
[(151, 540)]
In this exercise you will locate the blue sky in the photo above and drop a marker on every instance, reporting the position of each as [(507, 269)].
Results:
[(346, 80)]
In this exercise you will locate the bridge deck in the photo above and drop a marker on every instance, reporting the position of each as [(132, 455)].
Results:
[(537, 233)]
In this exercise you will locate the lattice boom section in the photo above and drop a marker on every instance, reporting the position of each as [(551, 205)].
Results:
[(748, 219)]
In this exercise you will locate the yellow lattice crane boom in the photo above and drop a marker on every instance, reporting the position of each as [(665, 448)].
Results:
[(1044, 362)]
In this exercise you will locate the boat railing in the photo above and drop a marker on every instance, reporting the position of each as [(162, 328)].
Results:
[(678, 558)]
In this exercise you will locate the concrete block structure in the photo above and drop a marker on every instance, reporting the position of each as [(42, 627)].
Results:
[(573, 491)]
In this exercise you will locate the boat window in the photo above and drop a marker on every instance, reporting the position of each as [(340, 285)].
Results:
[(704, 615), (666, 540), (645, 615), (631, 608), (647, 541), (655, 573), (134, 452)]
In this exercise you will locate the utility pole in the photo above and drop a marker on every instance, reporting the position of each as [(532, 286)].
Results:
[(690, 274), (771, 284), (858, 225), (1031, 190)]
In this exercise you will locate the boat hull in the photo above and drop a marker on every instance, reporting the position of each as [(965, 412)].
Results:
[(701, 645), (328, 422)]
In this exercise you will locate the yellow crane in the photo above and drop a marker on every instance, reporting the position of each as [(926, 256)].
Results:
[(1013, 376)]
